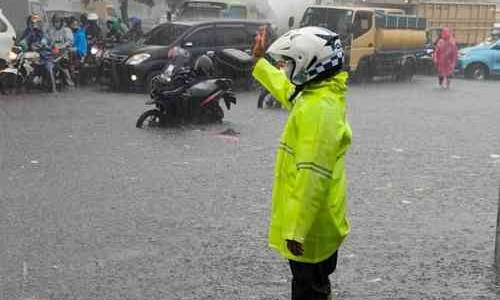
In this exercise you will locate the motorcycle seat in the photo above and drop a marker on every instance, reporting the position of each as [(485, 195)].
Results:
[(204, 88)]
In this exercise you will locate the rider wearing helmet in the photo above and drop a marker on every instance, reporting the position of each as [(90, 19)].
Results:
[(37, 40), (135, 33), (60, 34), (116, 29), (309, 221), (62, 41), (94, 32), (80, 38)]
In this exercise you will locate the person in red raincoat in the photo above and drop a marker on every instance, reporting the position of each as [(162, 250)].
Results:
[(445, 57)]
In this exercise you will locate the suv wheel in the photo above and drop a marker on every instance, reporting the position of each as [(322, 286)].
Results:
[(477, 72)]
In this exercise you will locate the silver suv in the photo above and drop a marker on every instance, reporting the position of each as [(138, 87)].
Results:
[(7, 35)]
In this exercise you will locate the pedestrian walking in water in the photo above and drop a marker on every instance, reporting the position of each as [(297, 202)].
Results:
[(309, 221), (445, 58)]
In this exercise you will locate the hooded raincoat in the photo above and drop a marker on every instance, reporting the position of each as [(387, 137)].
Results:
[(446, 54), (309, 193)]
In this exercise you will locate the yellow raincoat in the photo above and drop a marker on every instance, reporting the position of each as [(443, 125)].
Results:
[(309, 193)]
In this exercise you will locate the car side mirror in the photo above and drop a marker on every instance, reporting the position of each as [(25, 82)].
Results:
[(291, 22), (188, 45)]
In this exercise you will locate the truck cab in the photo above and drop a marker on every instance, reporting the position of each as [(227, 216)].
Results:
[(377, 41)]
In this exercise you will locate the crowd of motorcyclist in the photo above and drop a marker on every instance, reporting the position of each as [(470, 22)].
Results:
[(64, 44)]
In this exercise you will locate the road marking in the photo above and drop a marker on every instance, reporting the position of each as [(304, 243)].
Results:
[(25, 271)]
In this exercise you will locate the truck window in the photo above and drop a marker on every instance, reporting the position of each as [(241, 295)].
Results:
[(337, 20), (203, 9), (3, 26), (363, 22), (236, 12)]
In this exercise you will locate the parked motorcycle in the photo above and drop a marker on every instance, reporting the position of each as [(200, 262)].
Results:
[(24, 70), (187, 93), (8, 72)]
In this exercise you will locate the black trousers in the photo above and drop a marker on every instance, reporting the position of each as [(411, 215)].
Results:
[(310, 281)]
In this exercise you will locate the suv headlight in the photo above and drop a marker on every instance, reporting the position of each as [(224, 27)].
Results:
[(138, 59)]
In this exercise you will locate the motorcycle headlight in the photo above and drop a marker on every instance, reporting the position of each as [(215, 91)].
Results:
[(138, 59), (12, 56), (94, 50)]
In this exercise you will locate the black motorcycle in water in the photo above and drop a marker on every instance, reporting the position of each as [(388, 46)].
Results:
[(187, 93)]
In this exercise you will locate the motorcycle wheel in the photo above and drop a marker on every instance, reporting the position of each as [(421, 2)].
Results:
[(151, 118)]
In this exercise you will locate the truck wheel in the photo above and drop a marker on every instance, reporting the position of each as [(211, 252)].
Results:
[(363, 73), (407, 71), (477, 72)]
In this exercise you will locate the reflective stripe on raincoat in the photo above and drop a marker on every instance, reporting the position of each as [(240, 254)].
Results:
[(309, 193)]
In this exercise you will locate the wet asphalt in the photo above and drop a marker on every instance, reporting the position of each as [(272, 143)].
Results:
[(93, 208)]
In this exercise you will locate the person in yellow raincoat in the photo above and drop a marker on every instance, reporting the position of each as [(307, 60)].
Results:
[(309, 221)]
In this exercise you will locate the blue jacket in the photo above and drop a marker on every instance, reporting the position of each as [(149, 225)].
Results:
[(80, 42)]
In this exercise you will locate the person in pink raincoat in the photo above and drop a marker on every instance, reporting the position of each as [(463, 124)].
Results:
[(445, 57)]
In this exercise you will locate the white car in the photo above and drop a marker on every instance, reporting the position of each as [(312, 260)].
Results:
[(7, 35)]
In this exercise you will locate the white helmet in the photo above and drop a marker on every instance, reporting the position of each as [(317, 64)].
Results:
[(308, 51), (92, 17)]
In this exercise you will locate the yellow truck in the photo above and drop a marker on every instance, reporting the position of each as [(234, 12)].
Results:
[(471, 23), (377, 41)]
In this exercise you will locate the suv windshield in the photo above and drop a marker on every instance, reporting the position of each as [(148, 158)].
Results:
[(164, 34), (336, 20)]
